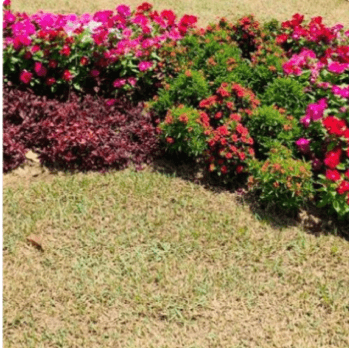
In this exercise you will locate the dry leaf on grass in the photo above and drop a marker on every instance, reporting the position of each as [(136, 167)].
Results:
[(36, 241)]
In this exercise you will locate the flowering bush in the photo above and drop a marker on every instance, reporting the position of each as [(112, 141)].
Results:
[(116, 49), (269, 124), (325, 138), (187, 88), (288, 94), (183, 132), (281, 181), (230, 94), (220, 122)]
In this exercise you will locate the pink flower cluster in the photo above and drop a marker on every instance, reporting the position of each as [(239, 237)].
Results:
[(44, 43), (314, 112)]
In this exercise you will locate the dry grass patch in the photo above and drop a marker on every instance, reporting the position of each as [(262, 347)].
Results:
[(208, 10), (149, 260)]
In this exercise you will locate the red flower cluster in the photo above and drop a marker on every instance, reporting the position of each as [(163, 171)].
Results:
[(336, 126), (230, 143)]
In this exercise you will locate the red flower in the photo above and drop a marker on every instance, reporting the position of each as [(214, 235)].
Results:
[(334, 125), (65, 51), (242, 156), (84, 61), (239, 169), (235, 117), (170, 140), (67, 75), (218, 115), (343, 187), (145, 6), (50, 81), (332, 158), (280, 39), (223, 130), (224, 169), (52, 63), (183, 118), (333, 175)]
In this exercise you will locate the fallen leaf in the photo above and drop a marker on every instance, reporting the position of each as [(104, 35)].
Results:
[(36, 241)]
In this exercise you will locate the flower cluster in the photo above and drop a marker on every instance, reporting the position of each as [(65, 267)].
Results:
[(281, 180), (114, 48), (220, 122)]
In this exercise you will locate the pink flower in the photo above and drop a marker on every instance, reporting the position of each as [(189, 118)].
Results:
[(26, 76), (305, 120), (132, 81), (110, 102), (143, 66), (119, 83), (20, 41), (123, 10), (40, 69), (337, 68), (316, 111), (303, 145)]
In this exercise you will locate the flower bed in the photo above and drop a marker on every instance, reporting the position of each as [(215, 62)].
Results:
[(267, 103)]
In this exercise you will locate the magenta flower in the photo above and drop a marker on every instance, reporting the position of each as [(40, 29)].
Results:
[(95, 72), (337, 68), (316, 111), (303, 145), (123, 10), (305, 120), (110, 102), (118, 83), (25, 76), (143, 66), (40, 69)]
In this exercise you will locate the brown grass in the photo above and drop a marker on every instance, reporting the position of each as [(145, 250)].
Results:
[(150, 260), (208, 10)]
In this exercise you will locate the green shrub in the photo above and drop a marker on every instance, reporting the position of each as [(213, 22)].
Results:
[(286, 93), (268, 124), (182, 133), (281, 181), (188, 89)]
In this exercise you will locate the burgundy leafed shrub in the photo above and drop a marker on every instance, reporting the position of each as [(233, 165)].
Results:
[(13, 152), (85, 134)]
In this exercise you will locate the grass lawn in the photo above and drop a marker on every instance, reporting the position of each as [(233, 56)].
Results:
[(333, 11), (148, 259)]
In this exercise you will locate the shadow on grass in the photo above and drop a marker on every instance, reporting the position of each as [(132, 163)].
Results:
[(311, 219)]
